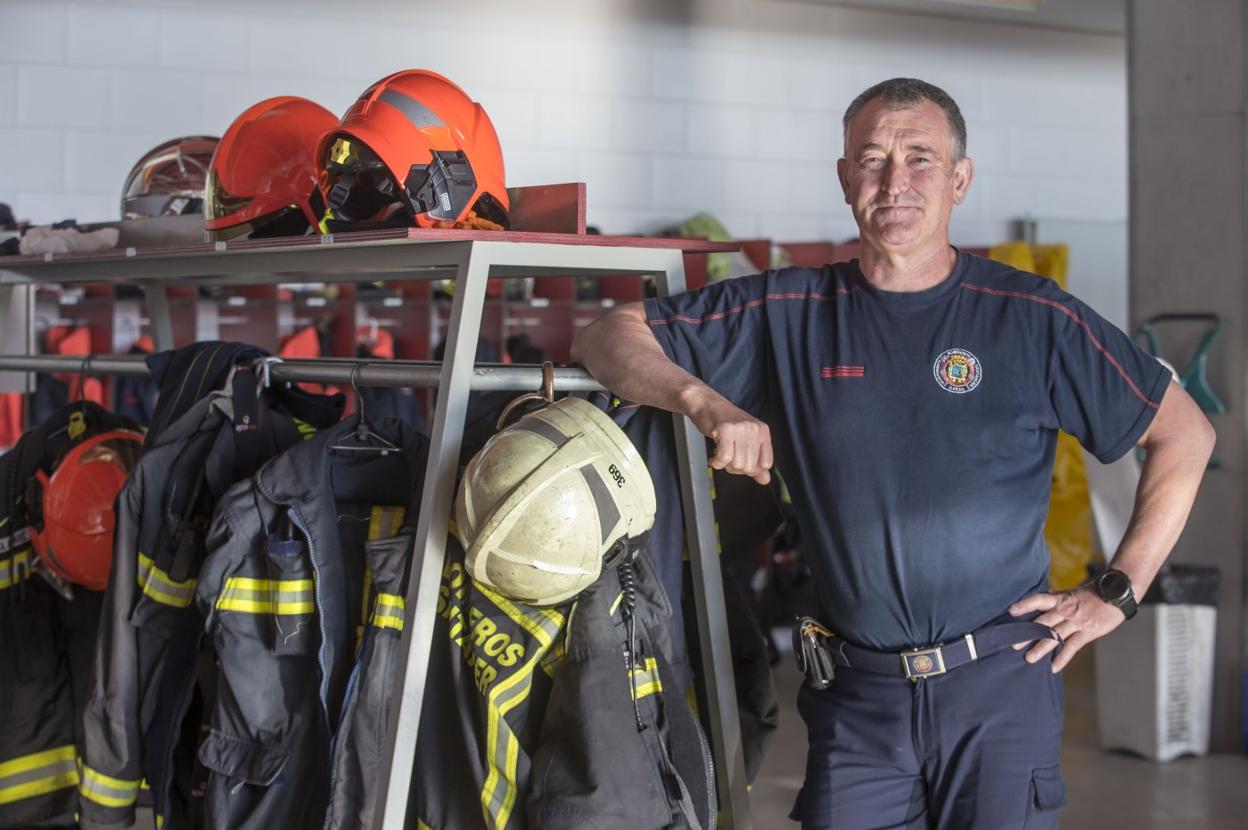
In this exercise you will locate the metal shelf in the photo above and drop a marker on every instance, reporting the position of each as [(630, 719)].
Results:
[(470, 258)]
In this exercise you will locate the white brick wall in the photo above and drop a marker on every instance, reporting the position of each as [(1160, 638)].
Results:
[(733, 107)]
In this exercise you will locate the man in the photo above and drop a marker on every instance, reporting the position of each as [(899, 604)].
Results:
[(912, 399)]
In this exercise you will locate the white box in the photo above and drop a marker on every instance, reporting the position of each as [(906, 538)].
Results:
[(1154, 682)]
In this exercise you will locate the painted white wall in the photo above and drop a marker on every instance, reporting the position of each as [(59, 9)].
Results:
[(663, 107)]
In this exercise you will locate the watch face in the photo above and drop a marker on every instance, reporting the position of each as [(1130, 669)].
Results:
[(1114, 586)]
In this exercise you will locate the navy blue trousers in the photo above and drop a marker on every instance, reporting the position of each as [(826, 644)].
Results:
[(975, 748)]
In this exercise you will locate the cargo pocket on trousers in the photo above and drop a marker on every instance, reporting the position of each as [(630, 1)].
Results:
[(1048, 797), (237, 761)]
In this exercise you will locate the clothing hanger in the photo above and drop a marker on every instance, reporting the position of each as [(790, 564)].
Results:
[(261, 367), (77, 421), (82, 378), (368, 440)]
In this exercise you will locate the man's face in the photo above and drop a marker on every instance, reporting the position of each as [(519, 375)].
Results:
[(900, 177)]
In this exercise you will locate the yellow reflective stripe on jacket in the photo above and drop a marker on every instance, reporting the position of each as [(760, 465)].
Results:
[(388, 613), (645, 679), (38, 774), (15, 564), (267, 596), (384, 522), (502, 747), (306, 430), (14, 569), (542, 623), (106, 790), (159, 586)]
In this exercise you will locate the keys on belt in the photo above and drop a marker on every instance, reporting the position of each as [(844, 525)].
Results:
[(813, 652)]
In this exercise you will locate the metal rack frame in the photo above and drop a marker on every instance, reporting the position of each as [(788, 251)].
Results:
[(470, 258)]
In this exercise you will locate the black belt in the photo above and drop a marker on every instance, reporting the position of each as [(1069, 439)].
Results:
[(919, 663)]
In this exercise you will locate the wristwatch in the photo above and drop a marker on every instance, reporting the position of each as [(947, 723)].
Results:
[(1114, 587)]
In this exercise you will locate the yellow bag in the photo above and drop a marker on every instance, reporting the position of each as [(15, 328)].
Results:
[(1068, 531)]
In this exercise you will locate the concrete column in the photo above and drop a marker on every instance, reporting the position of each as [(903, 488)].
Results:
[(1188, 147)]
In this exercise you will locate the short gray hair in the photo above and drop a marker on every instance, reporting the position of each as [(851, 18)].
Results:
[(899, 93)]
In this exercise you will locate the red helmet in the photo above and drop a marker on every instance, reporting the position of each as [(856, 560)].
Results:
[(169, 179), (76, 540), (416, 145), (262, 181)]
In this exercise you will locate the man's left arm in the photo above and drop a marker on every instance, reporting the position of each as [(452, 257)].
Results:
[(1178, 442)]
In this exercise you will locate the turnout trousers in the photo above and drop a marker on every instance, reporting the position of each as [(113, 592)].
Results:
[(975, 748)]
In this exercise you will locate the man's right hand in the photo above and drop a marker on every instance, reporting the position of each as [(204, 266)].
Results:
[(742, 442), (620, 351)]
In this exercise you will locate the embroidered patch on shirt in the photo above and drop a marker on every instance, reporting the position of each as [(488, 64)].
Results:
[(957, 371)]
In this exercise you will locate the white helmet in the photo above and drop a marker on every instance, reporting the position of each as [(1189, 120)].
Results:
[(544, 501)]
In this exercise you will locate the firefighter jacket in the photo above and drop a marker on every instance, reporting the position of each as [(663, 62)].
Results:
[(45, 638), (143, 716), (652, 434), (186, 375), (302, 596), (529, 722)]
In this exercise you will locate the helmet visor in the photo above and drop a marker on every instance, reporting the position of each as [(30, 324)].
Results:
[(168, 181), (219, 203), (357, 184), (151, 205)]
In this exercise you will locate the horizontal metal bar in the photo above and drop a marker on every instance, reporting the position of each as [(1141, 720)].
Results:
[(128, 366), (395, 373), (395, 259)]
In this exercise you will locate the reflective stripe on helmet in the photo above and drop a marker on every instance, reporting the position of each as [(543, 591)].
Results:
[(416, 112), (543, 428), (106, 790), (267, 596), (161, 587), (38, 774), (608, 513)]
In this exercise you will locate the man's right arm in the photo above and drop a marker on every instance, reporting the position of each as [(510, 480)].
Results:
[(621, 352)]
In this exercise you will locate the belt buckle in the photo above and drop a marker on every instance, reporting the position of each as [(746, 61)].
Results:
[(923, 662)]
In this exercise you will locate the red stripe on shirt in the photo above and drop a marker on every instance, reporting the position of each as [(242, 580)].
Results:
[(719, 315), (996, 292), (842, 371)]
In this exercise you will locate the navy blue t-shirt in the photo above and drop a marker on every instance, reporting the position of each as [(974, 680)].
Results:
[(916, 431)]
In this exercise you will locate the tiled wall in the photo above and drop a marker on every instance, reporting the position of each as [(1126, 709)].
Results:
[(663, 108)]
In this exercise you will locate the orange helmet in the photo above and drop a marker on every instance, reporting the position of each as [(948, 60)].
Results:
[(169, 179), (416, 145), (75, 541), (262, 181)]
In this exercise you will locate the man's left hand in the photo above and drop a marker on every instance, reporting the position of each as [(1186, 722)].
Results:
[(1078, 616)]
